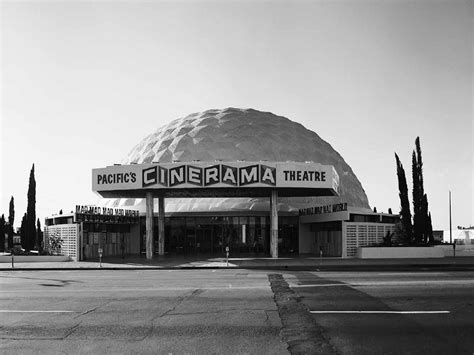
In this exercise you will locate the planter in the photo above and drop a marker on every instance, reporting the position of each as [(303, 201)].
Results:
[(399, 252), (34, 258)]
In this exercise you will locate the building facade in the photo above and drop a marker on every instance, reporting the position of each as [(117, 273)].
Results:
[(327, 231), (244, 179)]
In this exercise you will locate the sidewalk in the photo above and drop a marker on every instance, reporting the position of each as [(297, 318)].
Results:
[(295, 263)]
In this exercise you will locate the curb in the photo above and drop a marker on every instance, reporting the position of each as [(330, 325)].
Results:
[(348, 268)]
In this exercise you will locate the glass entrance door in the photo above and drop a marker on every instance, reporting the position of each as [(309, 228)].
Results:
[(204, 240)]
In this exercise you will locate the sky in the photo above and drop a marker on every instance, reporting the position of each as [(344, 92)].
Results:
[(83, 82)]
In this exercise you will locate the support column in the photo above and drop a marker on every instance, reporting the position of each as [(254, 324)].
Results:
[(274, 224), (149, 225), (161, 226)]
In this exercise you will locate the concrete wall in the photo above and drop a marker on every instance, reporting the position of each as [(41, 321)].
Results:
[(69, 233), (399, 252), (461, 250), (34, 258)]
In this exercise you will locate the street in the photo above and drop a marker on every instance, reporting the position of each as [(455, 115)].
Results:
[(391, 312), (236, 311)]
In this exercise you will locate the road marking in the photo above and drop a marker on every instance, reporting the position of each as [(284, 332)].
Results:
[(153, 289), (461, 282), (380, 312), (319, 285), (416, 273), (25, 311)]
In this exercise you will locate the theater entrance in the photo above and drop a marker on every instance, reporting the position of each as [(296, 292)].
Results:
[(210, 235)]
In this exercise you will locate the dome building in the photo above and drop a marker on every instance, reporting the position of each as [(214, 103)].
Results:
[(241, 135), (287, 192)]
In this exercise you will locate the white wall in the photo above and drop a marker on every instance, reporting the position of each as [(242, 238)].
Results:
[(34, 258), (69, 233), (399, 252)]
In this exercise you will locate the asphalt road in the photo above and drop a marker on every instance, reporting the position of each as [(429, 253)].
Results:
[(236, 311), (391, 312)]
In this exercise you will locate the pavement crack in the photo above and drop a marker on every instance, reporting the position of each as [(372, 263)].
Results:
[(71, 330), (266, 315), (86, 312), (181, 299), (195, 292), (219, 311), (301, 334)]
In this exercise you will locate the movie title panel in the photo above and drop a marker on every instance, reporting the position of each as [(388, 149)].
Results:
[(212, 175)]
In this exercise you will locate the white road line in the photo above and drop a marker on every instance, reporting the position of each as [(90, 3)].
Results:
[(319, 285), (24, 311), (462, 282), (152, 289), (380, 312)]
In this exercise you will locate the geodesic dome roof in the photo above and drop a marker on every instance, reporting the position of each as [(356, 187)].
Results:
[(241, 134)]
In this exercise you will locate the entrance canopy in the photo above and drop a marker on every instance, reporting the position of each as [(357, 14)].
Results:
[(216, 179)]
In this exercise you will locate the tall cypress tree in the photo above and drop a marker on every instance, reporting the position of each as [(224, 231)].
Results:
[(11, 221), (39, 235), (23, 228), (31, 212), (405, 215), (430, 230), (417, 200), (420, 165), (2, 233), (424, 219), (421, 216)]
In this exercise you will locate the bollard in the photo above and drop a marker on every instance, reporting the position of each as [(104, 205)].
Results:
[(227, 256)]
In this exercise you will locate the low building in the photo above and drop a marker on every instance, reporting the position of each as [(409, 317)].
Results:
[(327, 230), (338, 230), (88, 229)]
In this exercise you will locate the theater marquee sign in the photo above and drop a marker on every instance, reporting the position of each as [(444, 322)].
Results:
[(200, 175)]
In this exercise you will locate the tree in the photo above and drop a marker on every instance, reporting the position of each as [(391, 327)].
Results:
[(421, 232), (387, 240), (405, 214), (424, 220), (11, 220), (430, 230), (39, 235), (55, 243), (31, 212), (23, 232), (3, 229), (422, 228), (417, 200)]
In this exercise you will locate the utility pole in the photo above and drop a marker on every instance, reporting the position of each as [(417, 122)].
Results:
[(450, 228)]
